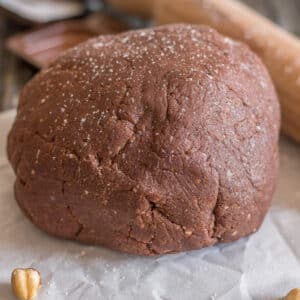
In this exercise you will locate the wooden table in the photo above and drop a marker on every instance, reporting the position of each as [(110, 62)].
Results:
[(13, 71)]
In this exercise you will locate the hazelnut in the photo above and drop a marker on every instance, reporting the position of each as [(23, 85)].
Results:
[(25, 283), (293, 295)]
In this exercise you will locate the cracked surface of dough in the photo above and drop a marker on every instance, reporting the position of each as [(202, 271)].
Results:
[(149, 142)]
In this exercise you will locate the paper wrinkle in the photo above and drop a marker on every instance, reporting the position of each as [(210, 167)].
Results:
[(287, 242), (264, 266)]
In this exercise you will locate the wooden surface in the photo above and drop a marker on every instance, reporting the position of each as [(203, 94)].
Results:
[(14, 73)]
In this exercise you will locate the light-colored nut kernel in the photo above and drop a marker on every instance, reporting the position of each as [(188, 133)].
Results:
[(234, 233), (189, 232), (293, 295), (25, 283)]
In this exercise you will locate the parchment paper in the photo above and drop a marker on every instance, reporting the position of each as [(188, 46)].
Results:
[(264, 266)]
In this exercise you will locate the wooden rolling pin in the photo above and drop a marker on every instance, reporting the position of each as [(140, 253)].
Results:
[(279, 50), (143, 8)]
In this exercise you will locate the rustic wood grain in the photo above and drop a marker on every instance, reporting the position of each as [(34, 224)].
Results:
[(13, 72)]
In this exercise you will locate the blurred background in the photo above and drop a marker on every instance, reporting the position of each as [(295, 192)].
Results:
[(34, 32)]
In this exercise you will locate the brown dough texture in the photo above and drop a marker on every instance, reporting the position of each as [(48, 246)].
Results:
[(149, 142)]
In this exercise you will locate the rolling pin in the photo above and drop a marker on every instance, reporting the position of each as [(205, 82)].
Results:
[(142, 8), (279, 50)]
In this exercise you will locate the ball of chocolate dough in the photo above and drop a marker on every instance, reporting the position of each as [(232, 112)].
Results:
[(149, 142)]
